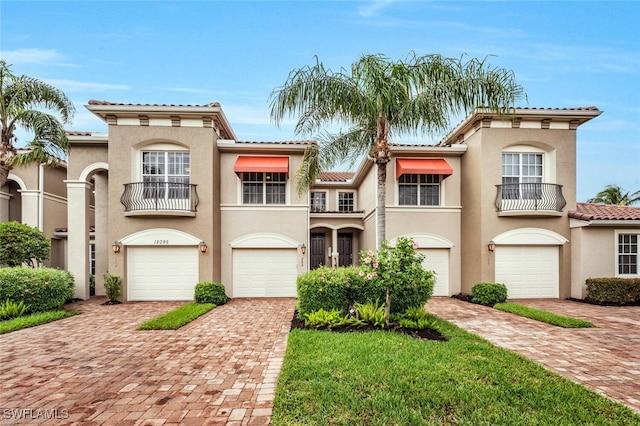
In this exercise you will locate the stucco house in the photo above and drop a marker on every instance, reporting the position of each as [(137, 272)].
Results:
[(179, 200)]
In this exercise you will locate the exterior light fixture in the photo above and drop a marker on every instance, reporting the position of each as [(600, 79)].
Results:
[(115, 247), (491, 246), (303, 249), (203, 247)]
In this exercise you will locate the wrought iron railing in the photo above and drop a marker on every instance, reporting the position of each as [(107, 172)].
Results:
[(159, 196), (530, 197)]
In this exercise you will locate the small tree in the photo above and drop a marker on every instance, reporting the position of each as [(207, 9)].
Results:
[(399, 268), (22, 244)]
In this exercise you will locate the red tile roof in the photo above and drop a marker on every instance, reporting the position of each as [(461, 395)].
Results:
[(336, 176), (590, 211), (96, 102)]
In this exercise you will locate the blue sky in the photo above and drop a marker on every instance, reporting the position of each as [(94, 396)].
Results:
[(565, 54)]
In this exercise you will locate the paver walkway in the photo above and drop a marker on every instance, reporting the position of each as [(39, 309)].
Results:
[(606, 359), (96, 368)]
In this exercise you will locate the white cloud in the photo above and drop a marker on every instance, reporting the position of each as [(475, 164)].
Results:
[(84, 86), (374, 8), (33, 56)]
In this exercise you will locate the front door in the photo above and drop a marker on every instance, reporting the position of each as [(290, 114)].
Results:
[(317, 256), (345, 249)]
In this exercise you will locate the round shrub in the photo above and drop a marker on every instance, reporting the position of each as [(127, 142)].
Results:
[(21, 243), (323, 288), (362, 287), (41, 289), (112, 286), (210, 292), (489, 294)]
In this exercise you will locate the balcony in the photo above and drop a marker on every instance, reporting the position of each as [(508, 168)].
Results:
[(530, 199), (159, 198)]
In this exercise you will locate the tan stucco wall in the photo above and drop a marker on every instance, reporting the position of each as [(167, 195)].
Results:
[(481, 172)]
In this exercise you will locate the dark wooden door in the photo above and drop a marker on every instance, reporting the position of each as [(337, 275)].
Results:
[(345, 249), (317, 256)]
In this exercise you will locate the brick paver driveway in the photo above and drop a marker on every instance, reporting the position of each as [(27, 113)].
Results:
[(605, 359), (95, 368)]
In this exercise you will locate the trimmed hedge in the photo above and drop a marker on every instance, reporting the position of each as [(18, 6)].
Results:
[(210, 292), (489, 294), (42, 289), (616, 291), (339, 288)]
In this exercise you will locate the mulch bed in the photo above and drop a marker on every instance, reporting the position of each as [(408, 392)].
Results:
[(426, 334)]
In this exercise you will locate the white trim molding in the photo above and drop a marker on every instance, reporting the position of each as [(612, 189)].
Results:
[(264, 240), (16, 179), (160, 237), (92, 168), (531, 237), (426, 240)]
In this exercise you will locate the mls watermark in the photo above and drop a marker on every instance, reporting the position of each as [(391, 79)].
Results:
[(34, 413)]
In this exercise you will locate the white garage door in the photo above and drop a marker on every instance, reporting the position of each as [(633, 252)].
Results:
[(162, 273), (528, 271), (264, 272), (437, 260)]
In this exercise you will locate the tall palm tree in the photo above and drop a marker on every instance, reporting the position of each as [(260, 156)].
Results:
[(614, 194), (381, 99), (21, 101)]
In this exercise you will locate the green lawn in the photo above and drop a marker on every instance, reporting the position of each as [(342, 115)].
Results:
[(544, 316), (178, 317), (33, 320), (382, 378)]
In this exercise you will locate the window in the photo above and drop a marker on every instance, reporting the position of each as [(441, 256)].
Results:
[(166, 174), (419, 190), (627, 254), (263, 188), (345, 202), (521, 176), (318, 201)]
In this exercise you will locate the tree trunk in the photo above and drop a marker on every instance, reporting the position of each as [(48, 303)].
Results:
[(387, 307), (382, 203)]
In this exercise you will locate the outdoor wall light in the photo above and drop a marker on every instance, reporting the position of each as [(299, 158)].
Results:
[(115, 247), (491, 246), (203, 247), (303, 249)]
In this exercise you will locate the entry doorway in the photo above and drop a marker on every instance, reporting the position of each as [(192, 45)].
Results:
[(317, 253), (345, 249)]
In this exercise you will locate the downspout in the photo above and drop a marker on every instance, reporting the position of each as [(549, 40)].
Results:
[(41, 197)]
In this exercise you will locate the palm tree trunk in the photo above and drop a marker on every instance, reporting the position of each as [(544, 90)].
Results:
[(382, 203)]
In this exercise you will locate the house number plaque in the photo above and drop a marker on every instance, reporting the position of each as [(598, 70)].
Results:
[(160, 242)]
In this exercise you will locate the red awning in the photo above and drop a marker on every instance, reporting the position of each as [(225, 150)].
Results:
[(262, 164), (422, 166)]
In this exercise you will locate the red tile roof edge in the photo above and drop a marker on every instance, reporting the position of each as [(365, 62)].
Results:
[(591, 211), (108, 103)]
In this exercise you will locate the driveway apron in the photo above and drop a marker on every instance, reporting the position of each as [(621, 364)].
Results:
[(96, 368), (605, 359)]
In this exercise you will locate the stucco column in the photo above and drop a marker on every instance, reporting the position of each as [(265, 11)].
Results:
[(334, 247), (5, 198), (103, 248), (30, 207), (78, 235)]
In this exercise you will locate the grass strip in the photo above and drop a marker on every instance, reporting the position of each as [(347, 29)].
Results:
[(544, 316), (178, 317), (33, 320), (384, 378)]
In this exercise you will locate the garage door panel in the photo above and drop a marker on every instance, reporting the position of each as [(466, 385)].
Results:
[(528, 271), (437, 260), (162, 273), (264, 272)]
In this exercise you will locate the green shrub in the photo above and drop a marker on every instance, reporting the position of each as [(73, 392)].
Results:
[(323, 288), (112, 286), (617, 291), (10, 309), (372, 313), (210, 292), (20, 243), (42, 289), (489, 294), (416, 318)]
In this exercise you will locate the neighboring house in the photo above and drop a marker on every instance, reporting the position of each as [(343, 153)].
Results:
[(178, 200), (37, 196), (604, 241)]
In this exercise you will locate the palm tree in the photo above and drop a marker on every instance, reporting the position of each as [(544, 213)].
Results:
[(614, 194), (381, 99), (20, 100)]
